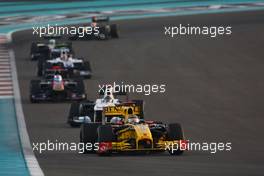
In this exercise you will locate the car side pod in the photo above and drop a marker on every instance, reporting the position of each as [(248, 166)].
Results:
[(104, 148)]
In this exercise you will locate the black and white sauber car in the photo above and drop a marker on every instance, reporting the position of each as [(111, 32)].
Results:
[(79, 111), (49, 50), (66, 65), (55, 88)]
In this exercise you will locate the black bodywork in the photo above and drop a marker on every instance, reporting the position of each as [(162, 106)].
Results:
[(41, 90), (106, 30), (41, 50)]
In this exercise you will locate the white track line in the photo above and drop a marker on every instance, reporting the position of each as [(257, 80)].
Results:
[(6, 96), (10, 92), (31, 161), (6, 88), (4, 60), (5, 71), (5, 83), (5, 78), (5, 74), (4, 66)]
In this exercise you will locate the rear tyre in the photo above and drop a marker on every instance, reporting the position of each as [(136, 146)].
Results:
[(114, 31), (87, 67), (175, 132), (74, 112), (40, 67), (80, 87), (140, 103), (33, 50), (34, 89)]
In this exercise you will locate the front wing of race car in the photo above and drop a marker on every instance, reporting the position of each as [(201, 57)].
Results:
[(54, 96), (174, 147)]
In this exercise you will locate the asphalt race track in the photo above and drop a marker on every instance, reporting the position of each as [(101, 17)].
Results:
[(214, 88)]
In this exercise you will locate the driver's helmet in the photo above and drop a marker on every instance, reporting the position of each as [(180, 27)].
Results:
[(93, 24), (116, 120), (70, 56), (57, 78), (64, 55), (133, 119), (107, 99), (52, 43)]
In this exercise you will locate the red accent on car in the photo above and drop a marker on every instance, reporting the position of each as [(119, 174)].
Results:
[(149, 121), (56, 67), (104, 147), (184, 144)]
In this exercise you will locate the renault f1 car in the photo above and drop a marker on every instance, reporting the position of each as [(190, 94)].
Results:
[(65, 64), (55, 88), (80, 110), (49, 50), (102, 29), (121, 130)]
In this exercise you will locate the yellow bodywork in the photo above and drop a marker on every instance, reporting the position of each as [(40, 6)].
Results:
[(135, 132)]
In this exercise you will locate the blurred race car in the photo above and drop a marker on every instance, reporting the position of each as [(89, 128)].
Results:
[(102, 29), (121, 130), (49, 50), (80, 110), (65, 64), (55, 88)]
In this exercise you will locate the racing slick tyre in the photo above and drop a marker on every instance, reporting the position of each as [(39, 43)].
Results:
[(80, 87), (175, 132), (88, 136), (104, 33), (74, 111), (34, 89), (33, 51), (40, 67), (140, 103), (105, 134), (114, 31), (87, 67)]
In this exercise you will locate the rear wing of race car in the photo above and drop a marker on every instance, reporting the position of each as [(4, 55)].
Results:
[(100, 19), (122, 110), (64, 45)]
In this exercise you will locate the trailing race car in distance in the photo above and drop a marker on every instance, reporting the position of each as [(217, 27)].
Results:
[(65, 64), (104, 30), (80, 110), (49, 50), (55, 88), (121, 130)]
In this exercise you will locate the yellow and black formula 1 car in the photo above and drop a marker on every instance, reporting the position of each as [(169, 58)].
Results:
[(121, 130)]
